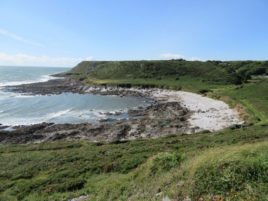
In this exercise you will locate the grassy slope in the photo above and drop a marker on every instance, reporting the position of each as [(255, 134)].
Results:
[(254, 97), (173, 73), (61, 170), (231, 163)]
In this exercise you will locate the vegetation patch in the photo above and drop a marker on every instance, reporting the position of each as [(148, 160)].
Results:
[(166, 161), (211, 72), (234, 174)]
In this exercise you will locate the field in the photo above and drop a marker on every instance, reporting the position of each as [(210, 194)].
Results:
[(228, 165)]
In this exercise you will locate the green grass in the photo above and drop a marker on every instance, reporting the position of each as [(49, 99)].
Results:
[(184, 83), (253, 96), (230, 164), (212, 72), (237, 172), (62, 170)]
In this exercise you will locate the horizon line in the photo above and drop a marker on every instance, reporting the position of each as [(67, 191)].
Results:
[(128, 60)]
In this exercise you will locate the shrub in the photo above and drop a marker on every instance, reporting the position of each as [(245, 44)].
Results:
[(177, 88), (165, 161), (82, 79), (204, 91)]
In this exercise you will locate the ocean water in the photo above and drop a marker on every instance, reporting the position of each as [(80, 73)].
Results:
[(23, 109)]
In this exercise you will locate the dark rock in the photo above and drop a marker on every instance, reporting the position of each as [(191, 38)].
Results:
[(158, 119)]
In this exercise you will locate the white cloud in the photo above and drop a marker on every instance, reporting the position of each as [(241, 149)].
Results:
[(31, 60), (172, 56), (168, 56), (16, 37)]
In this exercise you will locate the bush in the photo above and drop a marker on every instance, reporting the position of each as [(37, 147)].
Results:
[(82, 78), (177, 88), (204, 91), (165, 161), (127, 85), (258, 71)]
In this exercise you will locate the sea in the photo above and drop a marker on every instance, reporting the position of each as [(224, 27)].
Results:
[(25, 109)]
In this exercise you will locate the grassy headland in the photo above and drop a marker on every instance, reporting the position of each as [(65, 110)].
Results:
[(174, 74), (230, 165)]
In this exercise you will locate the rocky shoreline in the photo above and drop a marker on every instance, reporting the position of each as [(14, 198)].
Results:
[(160, 118), (168, 114)]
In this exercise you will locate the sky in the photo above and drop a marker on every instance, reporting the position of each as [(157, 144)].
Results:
[(65, 32)]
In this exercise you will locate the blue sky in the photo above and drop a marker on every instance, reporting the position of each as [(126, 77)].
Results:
[(64, 32)]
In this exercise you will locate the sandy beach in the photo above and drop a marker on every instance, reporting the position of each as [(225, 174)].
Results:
[(170, 112), (206, 113)]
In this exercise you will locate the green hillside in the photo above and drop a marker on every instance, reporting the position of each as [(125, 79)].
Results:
[(135, 72), (228, 165)]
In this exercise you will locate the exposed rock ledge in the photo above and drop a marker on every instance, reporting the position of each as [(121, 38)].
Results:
[(206, 113), (173, 112)]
